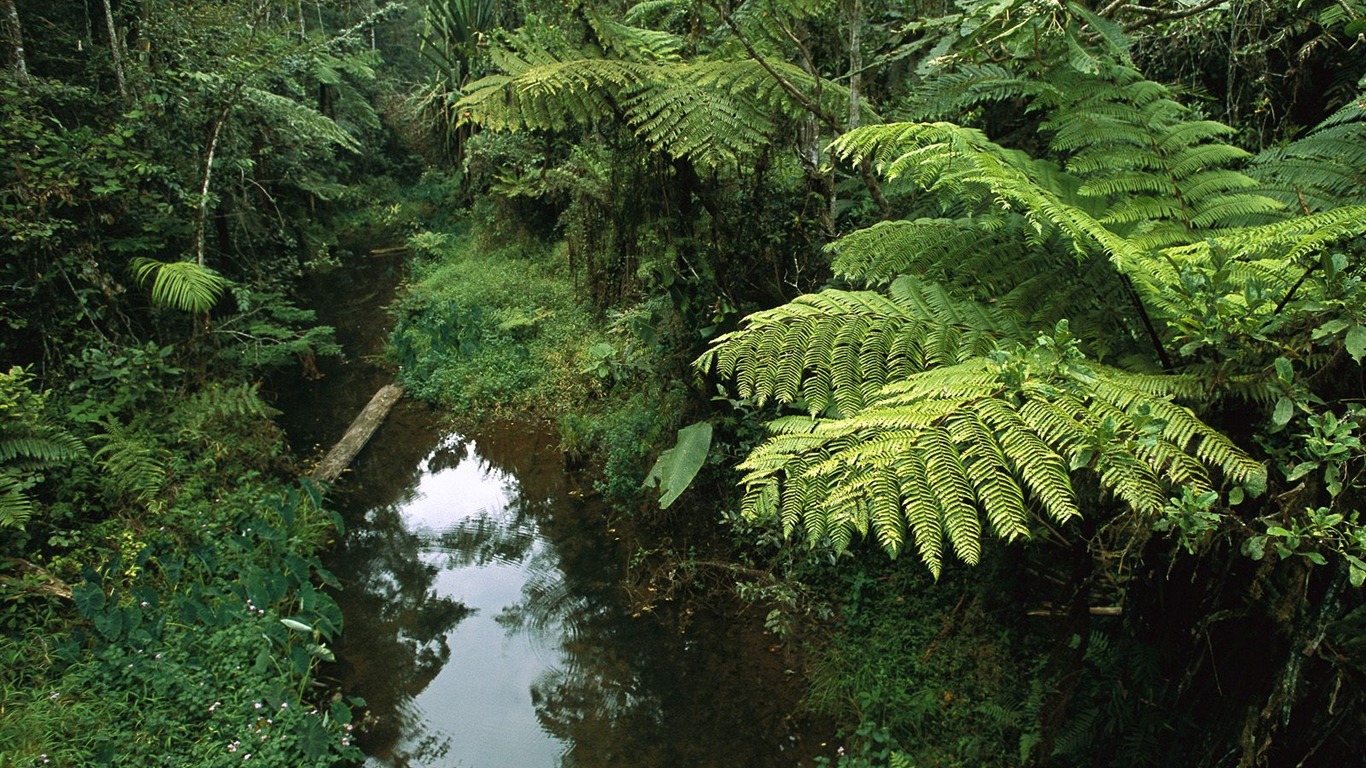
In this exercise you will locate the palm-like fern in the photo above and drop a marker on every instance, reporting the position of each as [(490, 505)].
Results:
[(928, 455), (183, 285), (911, 438), (709, 112)]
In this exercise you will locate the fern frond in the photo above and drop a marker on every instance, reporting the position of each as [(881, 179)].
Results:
[(134, 465), (635, 43), (986, 438), (298, 120), (183, 285), (841, 345), (16, 507), (1323, 170)]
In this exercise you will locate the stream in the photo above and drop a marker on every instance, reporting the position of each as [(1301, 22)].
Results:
[(486, 625)]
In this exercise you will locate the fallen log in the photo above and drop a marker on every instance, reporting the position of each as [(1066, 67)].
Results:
[(358, 434)]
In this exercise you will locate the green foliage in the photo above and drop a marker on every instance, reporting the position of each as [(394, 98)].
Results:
[(492, 329), (134, 463), (1323, 169), (835, 348), (916, 408), (182, 285), (925, 453), (180, 652), (31, 442), (915, 672), (711, 112), (676, 467)]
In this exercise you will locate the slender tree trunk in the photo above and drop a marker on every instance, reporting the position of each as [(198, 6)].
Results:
[(865, 166), (115, 49), (855, 61), (208, 177), (14, 33)]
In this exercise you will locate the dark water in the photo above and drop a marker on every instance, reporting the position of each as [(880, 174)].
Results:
[(485, 622)]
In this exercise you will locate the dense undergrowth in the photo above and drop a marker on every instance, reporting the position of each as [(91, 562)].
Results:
[(494, 323), (187, 630)]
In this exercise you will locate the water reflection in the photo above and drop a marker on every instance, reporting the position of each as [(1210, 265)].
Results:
[(485, 627)]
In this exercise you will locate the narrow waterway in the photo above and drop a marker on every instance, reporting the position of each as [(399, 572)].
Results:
[(485, 624)]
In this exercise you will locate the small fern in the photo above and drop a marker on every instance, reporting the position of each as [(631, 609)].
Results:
[(30, 442), (182, 285), (134, 464)]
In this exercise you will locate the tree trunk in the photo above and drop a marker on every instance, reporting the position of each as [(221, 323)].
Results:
[(115, 49), (14, 34), (358, 434)]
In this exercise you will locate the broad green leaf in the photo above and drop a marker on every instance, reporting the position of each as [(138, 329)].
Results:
[(297, 626), (89, 598), (1300, 470), (1284, 370), (1356, 342), (676, 467), (1285, 409)]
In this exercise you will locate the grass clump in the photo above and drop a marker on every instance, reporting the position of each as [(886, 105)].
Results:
[(492, 328)]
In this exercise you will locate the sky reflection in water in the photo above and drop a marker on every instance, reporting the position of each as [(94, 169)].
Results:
[(485, 629)]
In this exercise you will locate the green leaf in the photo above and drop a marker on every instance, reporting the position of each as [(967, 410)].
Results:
[(676, 467), (1356, 342), (297, 626), (1316, 558), (321, 652), (1284, 370), (1300, 470), (1285, 409), (1235, 496), (1330, 328)]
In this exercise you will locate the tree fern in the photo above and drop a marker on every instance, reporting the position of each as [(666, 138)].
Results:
[(709, 112), (985, 437), (833, 348), (1324, 169)]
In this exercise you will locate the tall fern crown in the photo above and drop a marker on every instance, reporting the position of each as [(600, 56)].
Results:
[(958, 399)]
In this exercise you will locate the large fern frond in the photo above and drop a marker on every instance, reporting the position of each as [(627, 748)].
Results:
[(983, 438), (1325, 169), (837, 347), (635, 43)]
